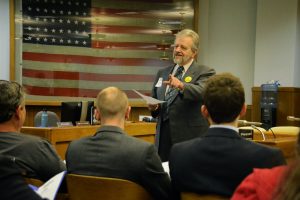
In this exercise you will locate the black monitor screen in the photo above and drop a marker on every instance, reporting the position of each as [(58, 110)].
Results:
[(90, 112), (71, 111)]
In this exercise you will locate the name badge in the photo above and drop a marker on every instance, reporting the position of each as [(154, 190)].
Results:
[(159, 82)]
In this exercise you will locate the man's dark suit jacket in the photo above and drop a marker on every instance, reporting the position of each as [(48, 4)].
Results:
[(218, 162), (12, 183), (113, 153), (185, 118)]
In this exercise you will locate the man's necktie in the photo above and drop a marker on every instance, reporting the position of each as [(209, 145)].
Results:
[(172, 92)]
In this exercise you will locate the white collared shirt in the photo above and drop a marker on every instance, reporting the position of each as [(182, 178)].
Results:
[(224, 126), (186, 67)]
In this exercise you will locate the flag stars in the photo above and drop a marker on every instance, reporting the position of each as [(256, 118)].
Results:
[(76, 41), (29, 8), (61, 12), (61, 30), (45, 20), (61, 41), (69, 41), (83, 23), (76, 31), (77, 3), (75, 22), (37, 19), (69, 13), (45, 1), (28, 38), (45, 30), (69, 3), (45, 10), (53, 20), (53, 11), (53, 1), (53, 30), (84, 4), (38, 39), (29, 28), (68, 21), (53, 40), (38, 29), (84, 42), (84, 13), (61, 2), (76, 13), (61, 20), (69, 31), (45, 39)]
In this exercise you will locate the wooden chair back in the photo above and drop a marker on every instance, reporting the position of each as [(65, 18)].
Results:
[(82, 187), (33, 181), (195, 196)]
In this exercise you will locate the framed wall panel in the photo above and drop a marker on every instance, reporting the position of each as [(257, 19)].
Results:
[(63, 49)]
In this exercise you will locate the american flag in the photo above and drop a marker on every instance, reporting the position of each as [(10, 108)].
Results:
[(76, 48)]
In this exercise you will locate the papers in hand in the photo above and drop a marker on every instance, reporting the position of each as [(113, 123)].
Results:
[(49, 189), (166, 167), (149, 100)]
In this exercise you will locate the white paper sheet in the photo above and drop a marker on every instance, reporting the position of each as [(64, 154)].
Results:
[(49, 189), (149, 100), (166, 167)]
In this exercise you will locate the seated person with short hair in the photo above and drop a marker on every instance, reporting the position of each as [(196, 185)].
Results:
[(217, 162), (112, 153), (34, 155)]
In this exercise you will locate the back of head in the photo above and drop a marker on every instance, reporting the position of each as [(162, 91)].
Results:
[(223, 97), (112, 102), (192, 34), (12, 96)]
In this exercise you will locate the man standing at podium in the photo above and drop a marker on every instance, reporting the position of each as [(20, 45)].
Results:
[(180, 86)]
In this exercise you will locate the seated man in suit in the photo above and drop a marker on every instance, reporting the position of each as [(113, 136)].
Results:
[(113, 153), (35, 156), (12, 183), (221, 159)]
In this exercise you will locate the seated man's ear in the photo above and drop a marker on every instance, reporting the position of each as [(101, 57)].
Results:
[(204, 111), (244, 110), (97, 114), (127, 113)]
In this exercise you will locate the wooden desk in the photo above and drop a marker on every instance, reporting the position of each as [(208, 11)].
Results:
[(283, 140), (61, 137), (287, 146)]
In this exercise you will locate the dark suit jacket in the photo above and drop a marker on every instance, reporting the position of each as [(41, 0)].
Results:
[(185, 118), (12, 183), (113, 153), (218, 162)]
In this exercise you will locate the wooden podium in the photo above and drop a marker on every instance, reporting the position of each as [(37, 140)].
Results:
[(60, 137)]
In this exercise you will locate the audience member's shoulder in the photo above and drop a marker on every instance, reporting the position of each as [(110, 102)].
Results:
[(31, 139), (187, 144), (137, 141)]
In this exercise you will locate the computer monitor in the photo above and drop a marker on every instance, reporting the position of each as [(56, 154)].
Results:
[(76, 111)]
